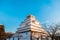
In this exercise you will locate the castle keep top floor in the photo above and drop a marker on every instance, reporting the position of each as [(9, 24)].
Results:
[(30, 23)]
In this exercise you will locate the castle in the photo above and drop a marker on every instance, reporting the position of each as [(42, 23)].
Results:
[(30, 29)]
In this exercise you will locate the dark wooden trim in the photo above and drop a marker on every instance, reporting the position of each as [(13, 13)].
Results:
[(30, 35), (23, 31)]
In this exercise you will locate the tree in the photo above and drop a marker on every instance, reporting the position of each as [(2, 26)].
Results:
[(51, 30), (2, 33), (9, 35)]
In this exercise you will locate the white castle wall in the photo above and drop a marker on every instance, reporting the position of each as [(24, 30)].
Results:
[(25, 36)]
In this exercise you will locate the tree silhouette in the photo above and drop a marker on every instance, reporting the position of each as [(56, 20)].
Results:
[(2, 33), (51, 29), (9, 35)]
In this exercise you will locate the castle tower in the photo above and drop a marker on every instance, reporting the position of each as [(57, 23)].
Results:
[(30, 29)]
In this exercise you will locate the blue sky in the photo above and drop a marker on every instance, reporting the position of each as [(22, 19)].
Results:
[(13, 12)]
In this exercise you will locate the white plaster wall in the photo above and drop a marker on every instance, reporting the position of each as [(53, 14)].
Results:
[(11, 38), (25, 36)]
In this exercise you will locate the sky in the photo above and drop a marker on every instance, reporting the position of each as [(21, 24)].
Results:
[(13, 12)]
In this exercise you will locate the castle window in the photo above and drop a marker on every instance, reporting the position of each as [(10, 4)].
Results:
[(33, 21)]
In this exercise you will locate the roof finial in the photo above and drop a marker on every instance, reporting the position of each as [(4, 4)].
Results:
[(29, 15)]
